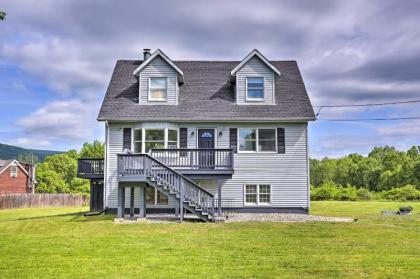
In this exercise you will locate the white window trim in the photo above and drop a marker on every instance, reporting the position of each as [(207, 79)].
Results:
[(143, 137), (257, 140), (149, 97), (15, 172), (246, 90), (258, 195)]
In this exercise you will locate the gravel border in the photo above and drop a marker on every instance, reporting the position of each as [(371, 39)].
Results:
[(239, 217)]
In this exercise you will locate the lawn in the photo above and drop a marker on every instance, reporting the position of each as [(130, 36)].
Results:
[(61, 243)]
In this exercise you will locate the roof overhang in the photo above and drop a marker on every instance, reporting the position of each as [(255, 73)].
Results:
[(160, 53), (251, 55)]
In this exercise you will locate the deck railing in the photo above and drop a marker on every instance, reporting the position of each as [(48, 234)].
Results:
[(90, 168), (195, 159)]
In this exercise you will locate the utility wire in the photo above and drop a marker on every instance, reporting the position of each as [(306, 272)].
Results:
[(368, 105), (372, 119)]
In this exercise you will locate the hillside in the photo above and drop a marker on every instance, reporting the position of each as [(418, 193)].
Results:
[(13, 152)]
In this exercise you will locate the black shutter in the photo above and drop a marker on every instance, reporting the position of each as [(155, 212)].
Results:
[(183, 140), (281, 141), (127, 139), (233, 139)]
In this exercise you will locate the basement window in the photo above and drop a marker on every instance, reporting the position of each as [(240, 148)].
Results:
[(13, 171), (257, 194), (155, 197)]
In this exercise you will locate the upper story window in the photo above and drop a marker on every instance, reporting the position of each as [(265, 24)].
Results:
[(254, 88), (13, 171), (158, 89), (172, 138), (154, 139), (253, 140), (137, 140), (144, 140)]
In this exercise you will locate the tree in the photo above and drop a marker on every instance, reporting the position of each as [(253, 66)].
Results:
[(2, 15), (92, 150)]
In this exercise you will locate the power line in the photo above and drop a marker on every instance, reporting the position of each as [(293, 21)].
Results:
[(372, 119), (368, 105)]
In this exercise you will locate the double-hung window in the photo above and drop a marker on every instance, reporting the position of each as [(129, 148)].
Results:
[(254, 88), (172, 138), (154, 138), (257, 140), (13, 171), (158, 89), (257, 194), (137, 140)]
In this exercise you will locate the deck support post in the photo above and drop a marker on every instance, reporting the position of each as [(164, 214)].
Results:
[(91, 196), (121, 202), (181, 201), (142, 208), (131, 202), (219, 200)]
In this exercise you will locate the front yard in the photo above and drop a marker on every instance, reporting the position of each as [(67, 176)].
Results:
[(61, 243)]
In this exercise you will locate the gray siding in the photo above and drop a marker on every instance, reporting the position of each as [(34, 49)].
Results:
[(287, 173), (255, 67), (158, 68)]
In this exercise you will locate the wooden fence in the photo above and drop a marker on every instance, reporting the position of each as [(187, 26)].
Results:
[(41, 200)]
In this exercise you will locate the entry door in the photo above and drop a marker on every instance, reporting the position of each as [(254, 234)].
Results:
[(206, 141)]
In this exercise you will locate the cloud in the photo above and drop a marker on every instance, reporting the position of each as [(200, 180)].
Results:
[(69, 120)]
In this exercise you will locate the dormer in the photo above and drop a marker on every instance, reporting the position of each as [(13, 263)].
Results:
[(159, 79), (254, 80)]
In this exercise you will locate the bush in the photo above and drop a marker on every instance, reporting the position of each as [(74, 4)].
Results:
[(346, 194), (327, 191), (406, 193), (364, 194)]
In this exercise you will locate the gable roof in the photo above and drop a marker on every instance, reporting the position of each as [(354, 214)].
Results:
[(4, 165), (206, 95), (160, 53), (249, 56)]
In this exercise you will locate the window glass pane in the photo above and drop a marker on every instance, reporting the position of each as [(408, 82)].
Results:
[(158, 94), (255, 94), (266, 140), (150, 195), (158, 82), (266, 134), (137, 134), (137, 147), (172, 135), (247, 134), (255, 81), (155, 135), (161, 198), (264, 195), (251, 193), (247, 145), (172, 144)]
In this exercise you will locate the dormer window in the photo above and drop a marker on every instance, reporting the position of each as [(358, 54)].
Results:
[(255, 89), (158, 89)]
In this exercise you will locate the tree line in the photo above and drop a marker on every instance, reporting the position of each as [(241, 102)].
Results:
[(385, 170)]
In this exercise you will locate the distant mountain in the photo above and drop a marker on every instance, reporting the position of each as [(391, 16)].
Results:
[(14, 152)]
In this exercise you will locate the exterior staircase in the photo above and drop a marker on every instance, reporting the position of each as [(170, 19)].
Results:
[(187, 193)]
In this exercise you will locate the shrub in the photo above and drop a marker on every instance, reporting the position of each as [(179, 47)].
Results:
[(346, 194), (326, 191), (364, 194), (406, 193)]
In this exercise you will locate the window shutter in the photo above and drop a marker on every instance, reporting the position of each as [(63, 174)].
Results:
[(127, 139), (281, 141), (233, 138), (183, 137)]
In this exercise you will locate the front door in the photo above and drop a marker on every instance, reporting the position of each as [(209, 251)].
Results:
[(206, 141)]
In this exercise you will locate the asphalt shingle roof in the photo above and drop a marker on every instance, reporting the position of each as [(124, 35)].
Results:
[(206, 95)]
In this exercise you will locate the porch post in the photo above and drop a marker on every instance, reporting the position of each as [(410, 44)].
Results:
[(121, 201), (131, 202), (181, 201), (142, 202), (91, 196), (219, 194)]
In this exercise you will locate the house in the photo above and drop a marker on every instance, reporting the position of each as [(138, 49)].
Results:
[(16, 177), (204, 136)]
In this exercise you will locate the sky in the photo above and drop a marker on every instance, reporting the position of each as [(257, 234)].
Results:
[(57, 57)]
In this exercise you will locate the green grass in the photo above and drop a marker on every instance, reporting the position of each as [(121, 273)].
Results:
[(61, 243)]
